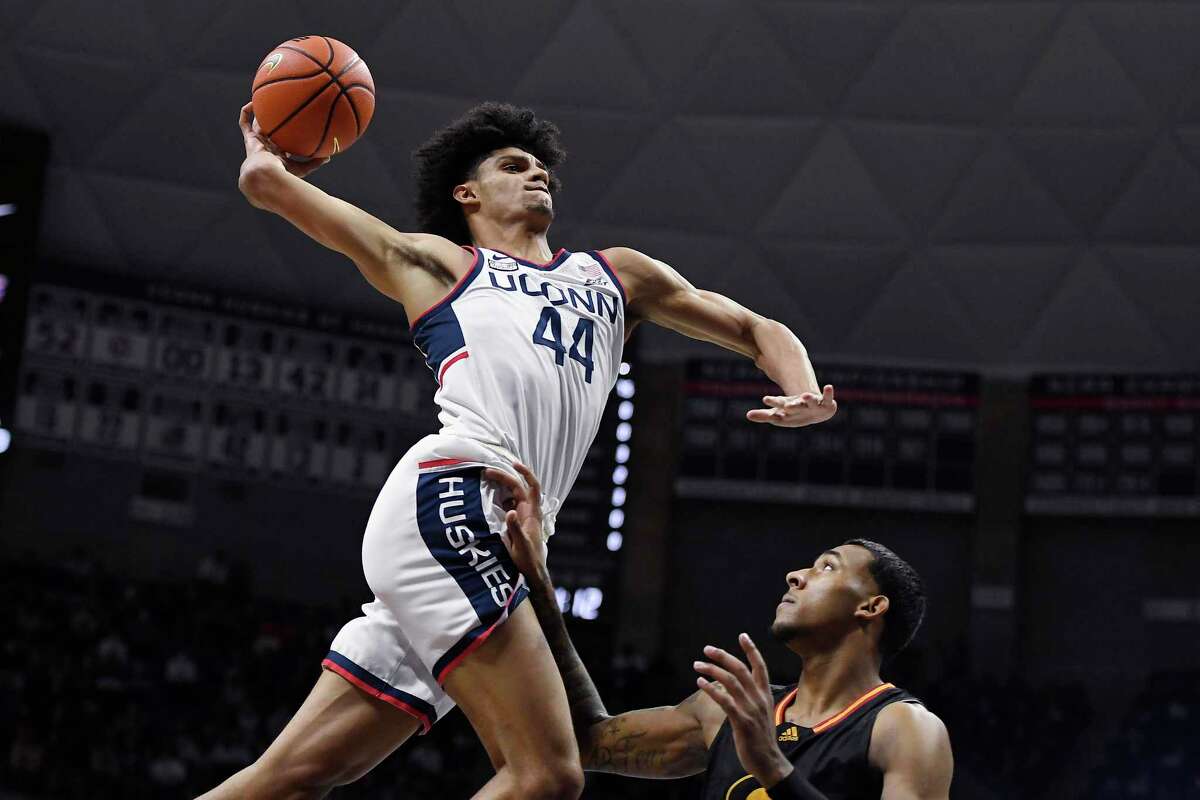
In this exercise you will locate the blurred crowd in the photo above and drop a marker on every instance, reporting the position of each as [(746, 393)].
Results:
[(118, 688), (1155, 752)]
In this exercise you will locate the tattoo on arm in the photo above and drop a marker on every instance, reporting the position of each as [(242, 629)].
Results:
[(629, 746), (586, 706)]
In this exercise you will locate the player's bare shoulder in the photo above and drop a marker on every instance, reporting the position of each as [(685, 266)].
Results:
[(642, 276), (907, 731)]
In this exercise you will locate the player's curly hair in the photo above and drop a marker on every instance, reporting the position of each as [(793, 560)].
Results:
[(905, 591), (452, 154)]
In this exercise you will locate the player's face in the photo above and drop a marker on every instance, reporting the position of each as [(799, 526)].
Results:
[(821, 599), (511, 182)]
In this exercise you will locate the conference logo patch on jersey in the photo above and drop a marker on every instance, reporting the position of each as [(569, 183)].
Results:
[(502, 263)]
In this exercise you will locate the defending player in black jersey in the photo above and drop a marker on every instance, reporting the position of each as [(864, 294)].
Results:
[(840, 734)]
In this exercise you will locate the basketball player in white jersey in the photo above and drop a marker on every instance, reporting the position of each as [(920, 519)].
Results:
[(525, 344)]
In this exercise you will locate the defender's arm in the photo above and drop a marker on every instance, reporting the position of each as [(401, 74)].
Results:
[(658, 293), (666, 742), (385, 256), (911, 747)]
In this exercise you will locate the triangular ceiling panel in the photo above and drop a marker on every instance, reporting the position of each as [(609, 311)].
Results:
[(130, 206), (1090, 324), (749, 161), (669, 59), (1001, 289), (589, 40), (832, 43), (502, 41), (395, 55), (998, 201), (241, 226), (1078, 80), (1162, 282), (915, 78), (1154, 42), (747, 71), (84, 98), (159, 140), (664, 185), (914, 317), (95, 29), (87, 239), (833, 285), (229, 43), (994, 44), (915, 166), (600, 146), (1085, 171), (1161, 204), (833, 197)]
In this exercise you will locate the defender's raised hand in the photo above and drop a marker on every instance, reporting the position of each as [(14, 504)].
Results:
[(259, 147), (523, 520), (744, 694), (796, 411)]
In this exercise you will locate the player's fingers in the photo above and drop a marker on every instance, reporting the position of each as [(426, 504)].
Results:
[(535, 488), (762, 415), (758, 665), (719, 696), (774, 401), (827, 394), (734, 665), (729, 681), (507, 480)]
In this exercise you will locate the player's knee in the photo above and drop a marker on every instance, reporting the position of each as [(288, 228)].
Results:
[(553, 779)]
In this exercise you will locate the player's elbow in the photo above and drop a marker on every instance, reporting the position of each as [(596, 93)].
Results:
[(257, 184)]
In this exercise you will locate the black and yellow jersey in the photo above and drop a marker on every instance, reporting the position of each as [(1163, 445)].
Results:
[(831, 755)]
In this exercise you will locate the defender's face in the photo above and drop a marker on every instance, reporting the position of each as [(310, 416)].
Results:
[(824, 597), (511, 181)]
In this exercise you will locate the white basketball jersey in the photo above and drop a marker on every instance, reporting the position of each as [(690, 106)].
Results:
[(525, 356)]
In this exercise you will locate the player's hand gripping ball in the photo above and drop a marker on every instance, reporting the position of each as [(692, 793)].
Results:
[(313, 97)]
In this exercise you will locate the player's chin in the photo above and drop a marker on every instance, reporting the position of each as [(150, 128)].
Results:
[(784, 629), (541, 207)]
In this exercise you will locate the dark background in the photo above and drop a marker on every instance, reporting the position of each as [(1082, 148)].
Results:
[(1004, 190)]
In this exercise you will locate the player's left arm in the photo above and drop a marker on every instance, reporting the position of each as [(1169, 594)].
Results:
[(657, 293), (910, 745)]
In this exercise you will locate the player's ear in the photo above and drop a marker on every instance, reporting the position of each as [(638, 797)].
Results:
[(464, 193), (871, 607)]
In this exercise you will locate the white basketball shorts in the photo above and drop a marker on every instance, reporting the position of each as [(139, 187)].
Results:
[(442, 577)]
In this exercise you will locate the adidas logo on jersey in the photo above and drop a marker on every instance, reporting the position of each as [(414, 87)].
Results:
[(792, 734)]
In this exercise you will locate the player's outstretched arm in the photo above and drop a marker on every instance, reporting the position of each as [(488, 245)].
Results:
[(411, 268), (658, 293), (911, 747), (666, 742)]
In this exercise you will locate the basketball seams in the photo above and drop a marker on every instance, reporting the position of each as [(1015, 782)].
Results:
[(328, 44), (353, 110), (288, 78)]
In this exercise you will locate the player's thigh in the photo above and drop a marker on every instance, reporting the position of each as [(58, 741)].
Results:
[(512, 693), (337, 736)]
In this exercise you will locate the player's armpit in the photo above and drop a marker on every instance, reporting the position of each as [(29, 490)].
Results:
[(386, 257), (666, 742), (910, 745)]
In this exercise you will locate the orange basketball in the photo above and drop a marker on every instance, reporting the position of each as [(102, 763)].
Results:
[(313, 96)]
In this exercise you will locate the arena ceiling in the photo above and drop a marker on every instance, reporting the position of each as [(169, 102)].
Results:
[(992, 184)]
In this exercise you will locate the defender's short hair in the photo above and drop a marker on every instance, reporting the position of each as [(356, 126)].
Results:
[(452, 154), (902, 586)]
